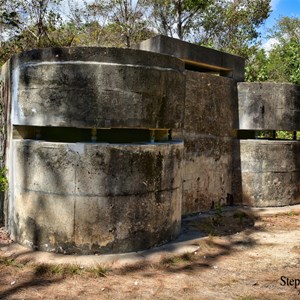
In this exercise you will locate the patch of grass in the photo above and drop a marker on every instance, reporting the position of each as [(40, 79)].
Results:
[(246, 298), (52, 270), (10, 262), (178, 259), (206, 225), (292, 213), (99, 271), (228, 282), (241, 216)]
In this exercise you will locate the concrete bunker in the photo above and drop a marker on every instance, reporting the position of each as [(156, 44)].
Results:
[(106, 149), (92, 164)]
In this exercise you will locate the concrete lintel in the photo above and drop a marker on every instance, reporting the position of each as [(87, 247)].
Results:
[(191, 54)]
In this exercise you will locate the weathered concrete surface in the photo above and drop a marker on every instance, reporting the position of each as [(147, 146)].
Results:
[(269, 106), (95, 198), (197, 56), (5, 132), (97, 87), (269, 173), (209, 118)]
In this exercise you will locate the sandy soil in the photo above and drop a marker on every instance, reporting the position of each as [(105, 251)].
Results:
[(241, 257)]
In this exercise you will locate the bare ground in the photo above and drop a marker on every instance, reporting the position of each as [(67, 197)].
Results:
[(241, 257)]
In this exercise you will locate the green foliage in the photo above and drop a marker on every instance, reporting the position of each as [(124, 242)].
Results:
[(10, 262), (99, 271), (232, 26), (257, 67), (177, 18), (62, 270), (3, 179), (284, 135), (178, 259), (277, 134), (282, 63)]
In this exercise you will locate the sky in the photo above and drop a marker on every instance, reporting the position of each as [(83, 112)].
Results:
[(280, 8)]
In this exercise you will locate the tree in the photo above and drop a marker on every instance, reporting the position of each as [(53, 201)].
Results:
[(128, 19), (111, 23), (228, 25), (257, 67), (284, 58), (176, 18), (282, 63), (232, 26)]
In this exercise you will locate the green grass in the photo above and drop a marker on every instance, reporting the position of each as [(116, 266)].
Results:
[(70, 270), (52, 270), (98, 271), (178, 259), (10, 262)]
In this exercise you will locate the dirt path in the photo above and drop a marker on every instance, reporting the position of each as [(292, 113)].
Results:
[(241, 257)]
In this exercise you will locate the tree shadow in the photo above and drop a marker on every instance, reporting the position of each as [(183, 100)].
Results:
[(216, 236), (33, 282)]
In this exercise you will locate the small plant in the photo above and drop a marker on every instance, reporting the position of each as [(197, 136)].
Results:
[(240, 215), (10, 262), (246, 298), (98, 271), (45, 269), (72, 270), (219, 211), (3, 179), (292, 213), (174, 260), (50, 270), (219, 215)]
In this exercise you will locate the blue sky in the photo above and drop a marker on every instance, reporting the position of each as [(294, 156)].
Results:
[(280, 8)]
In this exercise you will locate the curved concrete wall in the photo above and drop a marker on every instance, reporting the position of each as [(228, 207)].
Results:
[(270, 172), (97, 87), (96, 198), (93, 197), (269, 106)]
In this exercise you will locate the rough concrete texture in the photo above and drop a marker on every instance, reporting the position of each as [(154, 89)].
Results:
[(269, 172), (209, 118), (96, 198), (198, 56), (269, 106), (5, 132), (97, 87)]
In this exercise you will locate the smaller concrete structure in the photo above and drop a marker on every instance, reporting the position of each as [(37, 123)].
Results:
[(269, 172), (269, 106), (197, 57)]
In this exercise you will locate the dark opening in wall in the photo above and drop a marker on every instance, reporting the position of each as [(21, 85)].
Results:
[(205, 68), (100, 135)]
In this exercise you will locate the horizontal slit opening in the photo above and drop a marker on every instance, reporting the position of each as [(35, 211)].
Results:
[(96, 135)]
